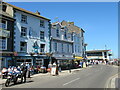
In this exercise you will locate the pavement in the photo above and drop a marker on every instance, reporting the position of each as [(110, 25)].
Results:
[(114, 81)]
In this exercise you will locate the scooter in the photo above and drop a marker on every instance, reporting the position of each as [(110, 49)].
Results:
[(12, 77)]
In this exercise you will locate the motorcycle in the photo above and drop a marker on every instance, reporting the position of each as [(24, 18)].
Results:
[(12, 77)]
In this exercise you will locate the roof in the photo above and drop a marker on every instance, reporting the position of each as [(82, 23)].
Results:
[(70, 25), (26, 11), (97, 51)]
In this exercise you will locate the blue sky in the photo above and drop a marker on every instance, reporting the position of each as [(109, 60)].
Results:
[(98, 19)]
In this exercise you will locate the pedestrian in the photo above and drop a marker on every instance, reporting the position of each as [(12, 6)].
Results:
[(69, 67), (24, 71), (28, 69), (59, 68)]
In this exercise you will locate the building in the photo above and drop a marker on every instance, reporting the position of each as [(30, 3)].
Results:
[(6, 38), (31, 36), (101, 55), (78, 39), (61, 44), (67, 42)]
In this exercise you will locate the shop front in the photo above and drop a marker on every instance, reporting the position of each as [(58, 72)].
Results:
[(64, 61), (32, 60), (77, 60), (6, 59)]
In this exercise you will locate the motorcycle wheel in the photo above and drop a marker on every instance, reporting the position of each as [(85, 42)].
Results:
[(7, 83)]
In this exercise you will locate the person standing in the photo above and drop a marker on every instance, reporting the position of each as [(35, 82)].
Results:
[(24, 71), (69, 67), (28, 69)]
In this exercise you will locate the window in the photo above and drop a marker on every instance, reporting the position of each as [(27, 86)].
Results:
[(57, 32), (78, 48), (55, 46), (81, 34), (72, 36), (62, 47), (65, 35), (23, 18), (75, 48), (3, 43), (42, 23), (23, 46), (23, 31), (68, 48), (4, 8), (41, 35), (42, 47), (4, 24)]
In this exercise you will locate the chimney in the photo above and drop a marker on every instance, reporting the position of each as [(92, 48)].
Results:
[(38, 13), (71, 23)]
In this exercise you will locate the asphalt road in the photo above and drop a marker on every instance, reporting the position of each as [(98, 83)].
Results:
[(93, 77)]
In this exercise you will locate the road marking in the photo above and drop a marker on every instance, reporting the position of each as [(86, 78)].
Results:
[(71, 81)]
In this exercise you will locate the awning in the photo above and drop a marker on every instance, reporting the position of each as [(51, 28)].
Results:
[(3, 52), (31, 57), (78, 58), (64, 58)]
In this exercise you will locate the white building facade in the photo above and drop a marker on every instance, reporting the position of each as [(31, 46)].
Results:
[(67, 42), (31, 36), (61, 42), (78, 39)]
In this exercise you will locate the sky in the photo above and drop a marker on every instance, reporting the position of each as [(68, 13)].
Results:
[(98, 19)]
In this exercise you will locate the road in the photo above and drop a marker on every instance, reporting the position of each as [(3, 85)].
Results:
[(93, 77)]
